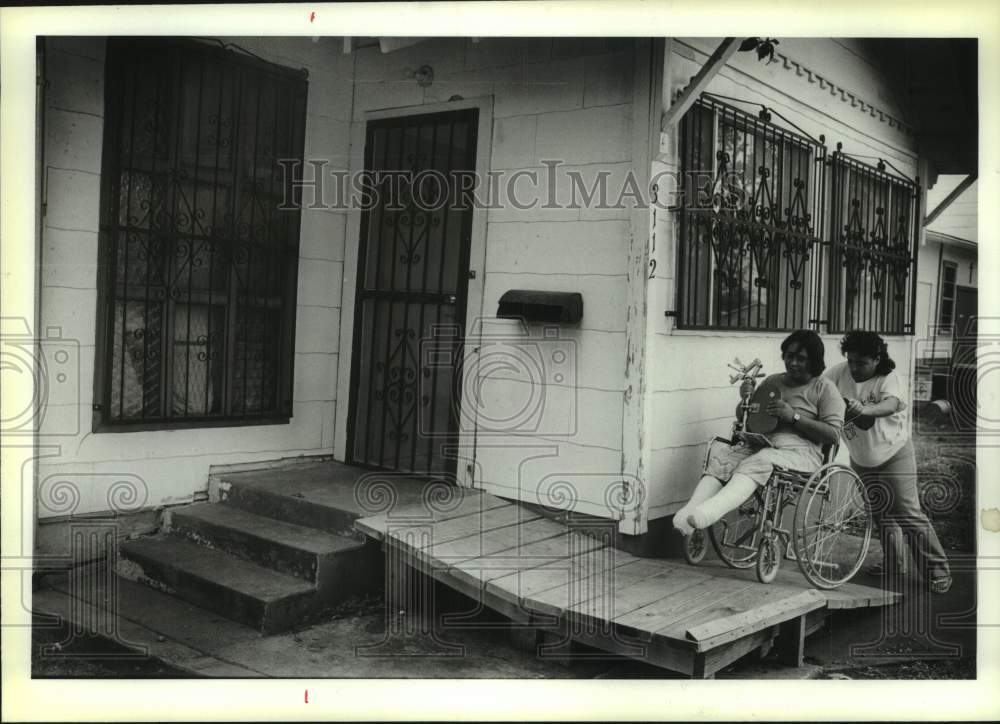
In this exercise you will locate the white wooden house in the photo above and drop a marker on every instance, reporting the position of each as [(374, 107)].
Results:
[(205, 329), (947, 289)]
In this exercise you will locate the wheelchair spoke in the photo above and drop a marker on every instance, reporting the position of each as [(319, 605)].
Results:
[(836, 526), (822, 539), (832, 526), (849, 503)]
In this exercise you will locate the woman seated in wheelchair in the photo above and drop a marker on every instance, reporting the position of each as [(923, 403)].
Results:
[(809, 413)]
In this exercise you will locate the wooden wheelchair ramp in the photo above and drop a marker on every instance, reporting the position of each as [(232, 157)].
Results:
[(574, 585)]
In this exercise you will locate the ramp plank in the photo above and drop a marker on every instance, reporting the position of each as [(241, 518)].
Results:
[(725, 604), (526, 556), (636, 587), (575, 590), (473, 524), (732, 603), (471, 503), (534, 569), (447, 554), (848, 595), (527, 585), (718, 631), (664, 611)]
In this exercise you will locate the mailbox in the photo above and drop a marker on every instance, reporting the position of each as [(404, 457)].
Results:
[(535, 306)]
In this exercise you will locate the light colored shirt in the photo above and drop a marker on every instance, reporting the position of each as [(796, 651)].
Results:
[(817, 399), (870, 448)]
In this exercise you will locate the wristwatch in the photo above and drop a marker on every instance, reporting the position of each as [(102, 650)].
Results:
[(796, 417)]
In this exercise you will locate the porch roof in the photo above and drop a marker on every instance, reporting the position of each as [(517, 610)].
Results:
[(938, 79)]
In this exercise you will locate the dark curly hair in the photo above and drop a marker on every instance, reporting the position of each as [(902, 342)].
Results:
[(869, 344), (809, 341)]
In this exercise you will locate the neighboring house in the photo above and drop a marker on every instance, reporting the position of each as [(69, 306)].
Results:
[(947, 286), (213, 328)]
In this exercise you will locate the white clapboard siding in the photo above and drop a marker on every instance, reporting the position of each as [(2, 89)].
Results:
[(553, 412), (562, 475), (173, 465), (575, 247)]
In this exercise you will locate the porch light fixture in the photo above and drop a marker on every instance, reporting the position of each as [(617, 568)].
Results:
[(424, 75)]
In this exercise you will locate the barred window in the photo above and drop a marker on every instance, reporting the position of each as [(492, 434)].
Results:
[(749, 218), (198, 259), (873, 237)]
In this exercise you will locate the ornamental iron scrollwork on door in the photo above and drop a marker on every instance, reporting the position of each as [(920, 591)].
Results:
[(395, 382), (412, 283)]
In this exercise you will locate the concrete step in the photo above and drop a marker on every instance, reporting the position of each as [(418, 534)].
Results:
[(330, 510), (307, 553), (240, 590)]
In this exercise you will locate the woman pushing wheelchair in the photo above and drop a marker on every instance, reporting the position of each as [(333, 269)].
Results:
[(877, 437), (805, 412)]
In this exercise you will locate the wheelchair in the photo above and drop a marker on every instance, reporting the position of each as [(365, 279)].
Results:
[(830, 526)]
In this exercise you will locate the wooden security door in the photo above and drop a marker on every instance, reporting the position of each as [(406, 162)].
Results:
[(963, 370), (966, 305), (413, 262)]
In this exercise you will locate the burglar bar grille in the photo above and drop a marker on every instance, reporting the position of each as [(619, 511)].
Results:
[(411, 296), (874, 228), (750, 208), (200, 262)]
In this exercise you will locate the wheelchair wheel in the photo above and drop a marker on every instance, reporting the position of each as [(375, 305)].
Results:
[(736, 537), (833, 526), (695, 547), (768, 559)]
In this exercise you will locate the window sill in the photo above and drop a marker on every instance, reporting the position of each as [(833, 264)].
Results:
[(120, 427), (723, 332)]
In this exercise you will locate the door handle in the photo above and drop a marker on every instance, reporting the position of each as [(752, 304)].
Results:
[(451, 299)]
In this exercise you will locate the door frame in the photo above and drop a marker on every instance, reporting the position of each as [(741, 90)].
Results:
[(477, 263), (960, 289)]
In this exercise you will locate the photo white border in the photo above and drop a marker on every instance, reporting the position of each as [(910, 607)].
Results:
[(27, 699)]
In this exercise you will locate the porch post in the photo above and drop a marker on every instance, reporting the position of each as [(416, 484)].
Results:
[(637, 407)]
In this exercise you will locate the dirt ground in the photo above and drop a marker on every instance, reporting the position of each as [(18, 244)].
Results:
[(960, 669), (89, 658), (946, 465)]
